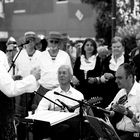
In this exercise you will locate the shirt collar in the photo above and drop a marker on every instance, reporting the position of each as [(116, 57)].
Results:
[(59, 90), (134, 88)]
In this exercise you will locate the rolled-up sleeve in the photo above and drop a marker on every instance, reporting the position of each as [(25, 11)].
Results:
[(13, 88)]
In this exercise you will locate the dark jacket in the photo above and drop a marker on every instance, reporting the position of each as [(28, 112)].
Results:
[(7, 131), (88, 90)]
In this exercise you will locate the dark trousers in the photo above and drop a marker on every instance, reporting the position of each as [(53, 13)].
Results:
[(61, 132), (129, 135), (7, 131), (41, 130)]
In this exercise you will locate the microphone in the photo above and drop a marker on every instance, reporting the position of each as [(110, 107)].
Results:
[(56, 93), (48, 99), (66, 106), (22, 43), (66, 96), (110, 113), (25, 43)]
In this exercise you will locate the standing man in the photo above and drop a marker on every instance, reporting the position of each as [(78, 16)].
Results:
[(51, 59), (10, 88), (25, 62), (127, 103)]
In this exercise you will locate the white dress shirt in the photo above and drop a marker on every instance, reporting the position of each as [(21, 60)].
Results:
[(50, 67), (47, 105), (4, 60), (24, 63), (115, 64), (14, 88)]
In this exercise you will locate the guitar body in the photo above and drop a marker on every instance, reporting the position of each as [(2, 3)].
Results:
[(115, 119), (118, 115)]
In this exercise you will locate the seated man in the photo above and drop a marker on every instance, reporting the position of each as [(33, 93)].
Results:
[(126, 104), (65, 130)]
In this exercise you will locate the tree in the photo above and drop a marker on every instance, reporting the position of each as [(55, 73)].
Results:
[(103, 24), (127, 15)]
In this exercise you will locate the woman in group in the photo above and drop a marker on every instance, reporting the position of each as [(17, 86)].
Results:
[(109, 68), (87, 70)]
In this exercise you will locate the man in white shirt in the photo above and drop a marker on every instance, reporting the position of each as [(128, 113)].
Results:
[(64, 78), (27, 59), (127, 103), (11, 88), (50, 61)]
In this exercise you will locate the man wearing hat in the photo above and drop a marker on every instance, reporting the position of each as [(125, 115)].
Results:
[(28, 56), (50, 60), (25, 62)]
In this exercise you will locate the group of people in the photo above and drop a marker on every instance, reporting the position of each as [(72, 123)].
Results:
[(110, 77)]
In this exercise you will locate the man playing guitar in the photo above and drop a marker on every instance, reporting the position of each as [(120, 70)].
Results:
[(126, 103)]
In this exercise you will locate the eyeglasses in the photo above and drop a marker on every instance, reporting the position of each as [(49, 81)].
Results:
[(54, 41), (9, 50), (29, 41)]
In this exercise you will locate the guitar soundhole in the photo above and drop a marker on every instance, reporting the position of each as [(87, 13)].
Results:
[(123, 99)]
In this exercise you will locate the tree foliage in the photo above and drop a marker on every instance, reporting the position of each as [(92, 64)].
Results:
[(126, 26), (103, 23), (95, 2)]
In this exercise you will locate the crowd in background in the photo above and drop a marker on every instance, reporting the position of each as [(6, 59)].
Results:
[(92, 63)]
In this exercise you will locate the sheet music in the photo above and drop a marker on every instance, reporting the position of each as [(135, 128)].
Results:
[(54, 117)]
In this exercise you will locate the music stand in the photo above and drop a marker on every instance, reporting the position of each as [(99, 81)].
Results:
[(41, 130), (81, 104), (102, 129)]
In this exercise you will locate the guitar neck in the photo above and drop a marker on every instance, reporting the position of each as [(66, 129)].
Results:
[(94, 101)]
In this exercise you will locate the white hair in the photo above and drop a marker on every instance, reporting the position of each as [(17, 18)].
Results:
[(67, 67)]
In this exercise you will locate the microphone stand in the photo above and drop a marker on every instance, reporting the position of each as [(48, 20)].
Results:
[(27, 125), (13, 61), (81, 103), (13, 65), (49, 100)]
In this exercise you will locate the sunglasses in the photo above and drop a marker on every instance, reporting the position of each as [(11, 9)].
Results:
[(9, 50), (54, 41)]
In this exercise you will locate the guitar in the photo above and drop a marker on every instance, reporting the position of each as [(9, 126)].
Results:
[(120, 110), (119, 106)]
